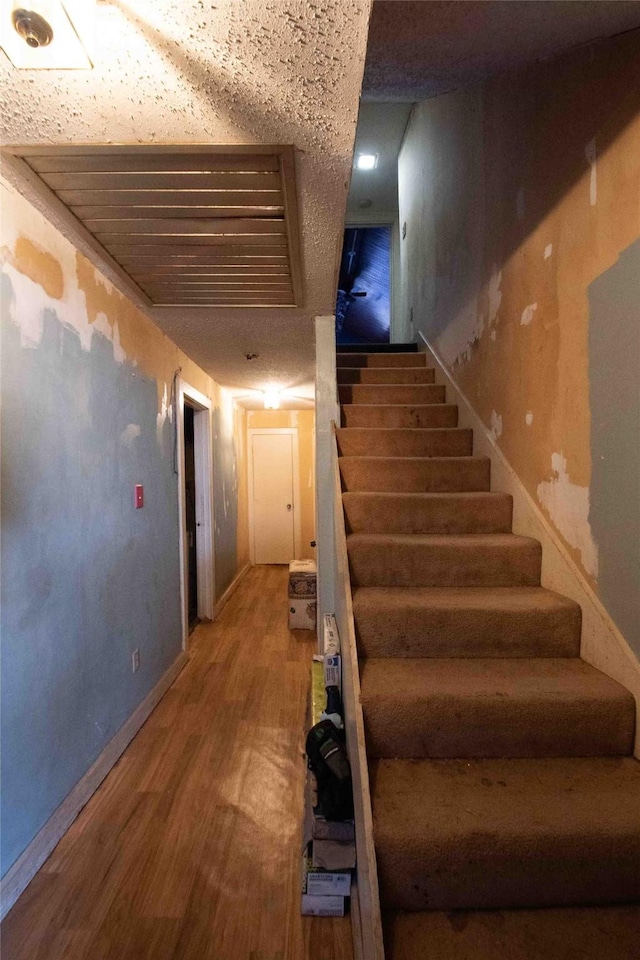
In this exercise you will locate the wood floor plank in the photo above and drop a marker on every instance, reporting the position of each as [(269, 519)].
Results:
[(190, 849)]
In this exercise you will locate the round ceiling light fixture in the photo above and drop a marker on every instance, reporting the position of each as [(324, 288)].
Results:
[(33, 28)]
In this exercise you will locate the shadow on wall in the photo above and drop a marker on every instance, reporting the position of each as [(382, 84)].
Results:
[(532, 142), (614, 344)]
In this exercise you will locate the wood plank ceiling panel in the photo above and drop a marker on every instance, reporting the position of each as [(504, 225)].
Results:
[(199, 225)]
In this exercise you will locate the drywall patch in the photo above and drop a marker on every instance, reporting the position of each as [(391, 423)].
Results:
[(568, 506), (527, 314), (528, 418), (614, 394), (548, 250), (496, 425), (495, 294), (590, 154), (40, 266)]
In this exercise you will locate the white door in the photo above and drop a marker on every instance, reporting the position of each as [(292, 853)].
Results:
[(273, 507)]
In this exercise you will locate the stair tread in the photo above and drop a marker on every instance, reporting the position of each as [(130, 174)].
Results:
[(570, 933), (425, 495), (547, 679), (517, 599), (444, 539), (353, 457), (418, 801)]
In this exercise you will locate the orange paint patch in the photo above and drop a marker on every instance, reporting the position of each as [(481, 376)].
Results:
[(39, 266)]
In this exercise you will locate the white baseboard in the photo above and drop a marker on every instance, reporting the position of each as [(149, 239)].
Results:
[(231, 589), (603, 646), (27, 865)]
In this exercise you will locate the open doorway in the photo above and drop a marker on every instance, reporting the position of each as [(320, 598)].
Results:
[(363, 307), (190, 517), (196, 508)]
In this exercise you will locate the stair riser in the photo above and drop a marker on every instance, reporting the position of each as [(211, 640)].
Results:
[(417, 476), (435, 513), (448, 727), (381, 394), (498, 872), (379, 375), (410, 443), (444, 565), (381, 359), (467, 633), (398, 416)]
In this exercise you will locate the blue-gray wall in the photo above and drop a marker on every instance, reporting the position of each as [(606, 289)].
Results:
[(614, 384), (86, 578)]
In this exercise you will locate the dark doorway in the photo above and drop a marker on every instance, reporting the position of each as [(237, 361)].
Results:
[(190, 515), (363, 313)]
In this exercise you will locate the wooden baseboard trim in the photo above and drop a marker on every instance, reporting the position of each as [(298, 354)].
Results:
[(603, 645), (231, 589), (27, 865)]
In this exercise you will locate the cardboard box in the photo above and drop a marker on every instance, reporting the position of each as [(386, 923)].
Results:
[(324, 883), (314, 906), (322, 829), (332, 671), (330, 636), (334, 854), (303, 577), (302, 614)]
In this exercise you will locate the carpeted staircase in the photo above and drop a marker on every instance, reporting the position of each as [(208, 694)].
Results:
[(500, 762)]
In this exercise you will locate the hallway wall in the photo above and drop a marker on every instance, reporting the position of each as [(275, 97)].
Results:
[(86, 578), (521, 265), (304, 422)]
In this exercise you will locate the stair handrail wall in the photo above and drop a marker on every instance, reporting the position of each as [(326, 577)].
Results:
[(366, 917)]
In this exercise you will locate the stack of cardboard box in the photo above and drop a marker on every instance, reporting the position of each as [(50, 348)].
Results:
[(302, 595), (329, 851)]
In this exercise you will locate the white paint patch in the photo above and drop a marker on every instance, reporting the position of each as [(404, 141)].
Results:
[(496, 425), (164, 411), (495, 294), (590, 154), (493, 334), (129, 434), (568, 506), (548, 250), (529, 418), (520, 204), (527, 314)]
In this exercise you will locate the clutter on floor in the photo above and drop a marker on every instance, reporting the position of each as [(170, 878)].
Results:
[(329, 850), (302, 595)]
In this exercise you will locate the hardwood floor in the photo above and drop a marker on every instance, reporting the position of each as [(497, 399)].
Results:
[(190, 849)]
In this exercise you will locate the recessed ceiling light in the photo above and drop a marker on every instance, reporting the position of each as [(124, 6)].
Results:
[(366, 161), (271, 399)]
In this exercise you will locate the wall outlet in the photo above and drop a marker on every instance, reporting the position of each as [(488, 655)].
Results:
[(135, 661)]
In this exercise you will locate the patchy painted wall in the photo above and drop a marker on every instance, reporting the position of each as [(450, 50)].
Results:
[(86, 578), (304, 422), (521, 203)]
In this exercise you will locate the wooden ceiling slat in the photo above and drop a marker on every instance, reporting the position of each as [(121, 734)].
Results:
[(153, 163), (210, 270), (194, 225), (215, 256), (114, 198), (213, 227), (161, 181), (213, 211), (181, 242)]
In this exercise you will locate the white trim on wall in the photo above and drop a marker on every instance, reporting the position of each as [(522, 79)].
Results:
[(203, 453), (27, 865), (297, 521)]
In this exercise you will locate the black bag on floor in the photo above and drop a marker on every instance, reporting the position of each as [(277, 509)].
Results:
[(328, 760)]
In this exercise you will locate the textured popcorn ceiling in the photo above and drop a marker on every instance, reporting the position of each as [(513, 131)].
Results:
[(421, 48), (237, 71)]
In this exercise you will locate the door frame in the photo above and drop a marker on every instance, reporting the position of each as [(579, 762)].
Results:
[(203, 456), (297, 522)]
